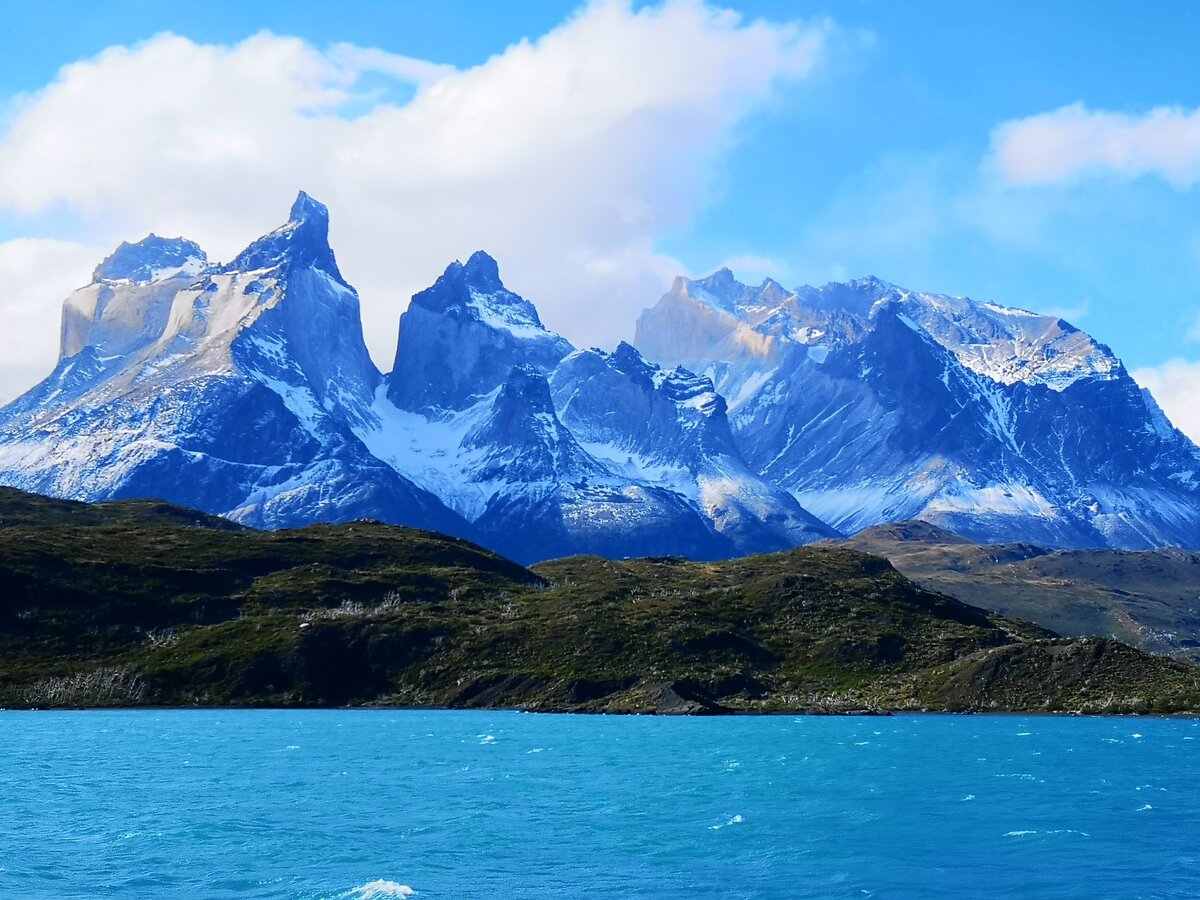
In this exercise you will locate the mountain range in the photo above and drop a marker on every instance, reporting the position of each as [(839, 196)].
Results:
[(747, 419), (870, 403)]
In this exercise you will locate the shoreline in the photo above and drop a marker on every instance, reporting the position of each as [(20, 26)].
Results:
[(725, 714)]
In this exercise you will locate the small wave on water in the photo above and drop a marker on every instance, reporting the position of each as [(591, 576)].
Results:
[(1026, 832), (378, 890), (736, 820)]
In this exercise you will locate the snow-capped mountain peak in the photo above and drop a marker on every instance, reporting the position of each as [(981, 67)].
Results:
[(460, 337), (720, 289), (691, 390), (725, 294), (483, 272), (1003, 344), (280, 310), (719, 319), (151, 259), (522, 437), (302, 242), (231, 388), (705, 320), (628, 361), (475, 291), (1010, 345)]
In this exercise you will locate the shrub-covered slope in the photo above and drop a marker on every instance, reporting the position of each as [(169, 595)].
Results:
[(137, 604)]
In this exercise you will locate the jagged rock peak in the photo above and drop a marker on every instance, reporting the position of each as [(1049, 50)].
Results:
[(150, 259), (677, 384), (724, 292), (483, 272), (526, 387), (460, 338), (302, 242), (858, 296), (720, 289), (475, 291), (627, 360), (480, 275), (681, 386), (872, 283), (305, 208), (721, 280), (523, 436)]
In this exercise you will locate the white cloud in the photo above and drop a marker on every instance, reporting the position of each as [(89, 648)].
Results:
[(1074, 141), (564, 157), (1176, 386), (36, 274)]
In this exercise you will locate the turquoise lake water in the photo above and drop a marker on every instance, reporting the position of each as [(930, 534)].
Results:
[(380, 804)]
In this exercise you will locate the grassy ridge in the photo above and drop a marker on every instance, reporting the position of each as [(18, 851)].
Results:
[(143, 604), (1149, 599)]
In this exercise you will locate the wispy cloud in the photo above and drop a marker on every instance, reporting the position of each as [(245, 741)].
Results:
[(1075, 142), (1193, 331)]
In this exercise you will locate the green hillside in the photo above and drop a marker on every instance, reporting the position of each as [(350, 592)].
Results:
[(132, 604)]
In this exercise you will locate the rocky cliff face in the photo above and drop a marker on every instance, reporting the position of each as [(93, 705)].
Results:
[(670, 428), (460, 338)]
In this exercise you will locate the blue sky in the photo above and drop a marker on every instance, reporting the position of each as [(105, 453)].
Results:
[(880, 158)]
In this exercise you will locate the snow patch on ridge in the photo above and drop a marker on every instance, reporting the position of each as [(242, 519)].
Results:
[(429, 451), (1010, 345), (507, 316), (635, 466), (995, 500)]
